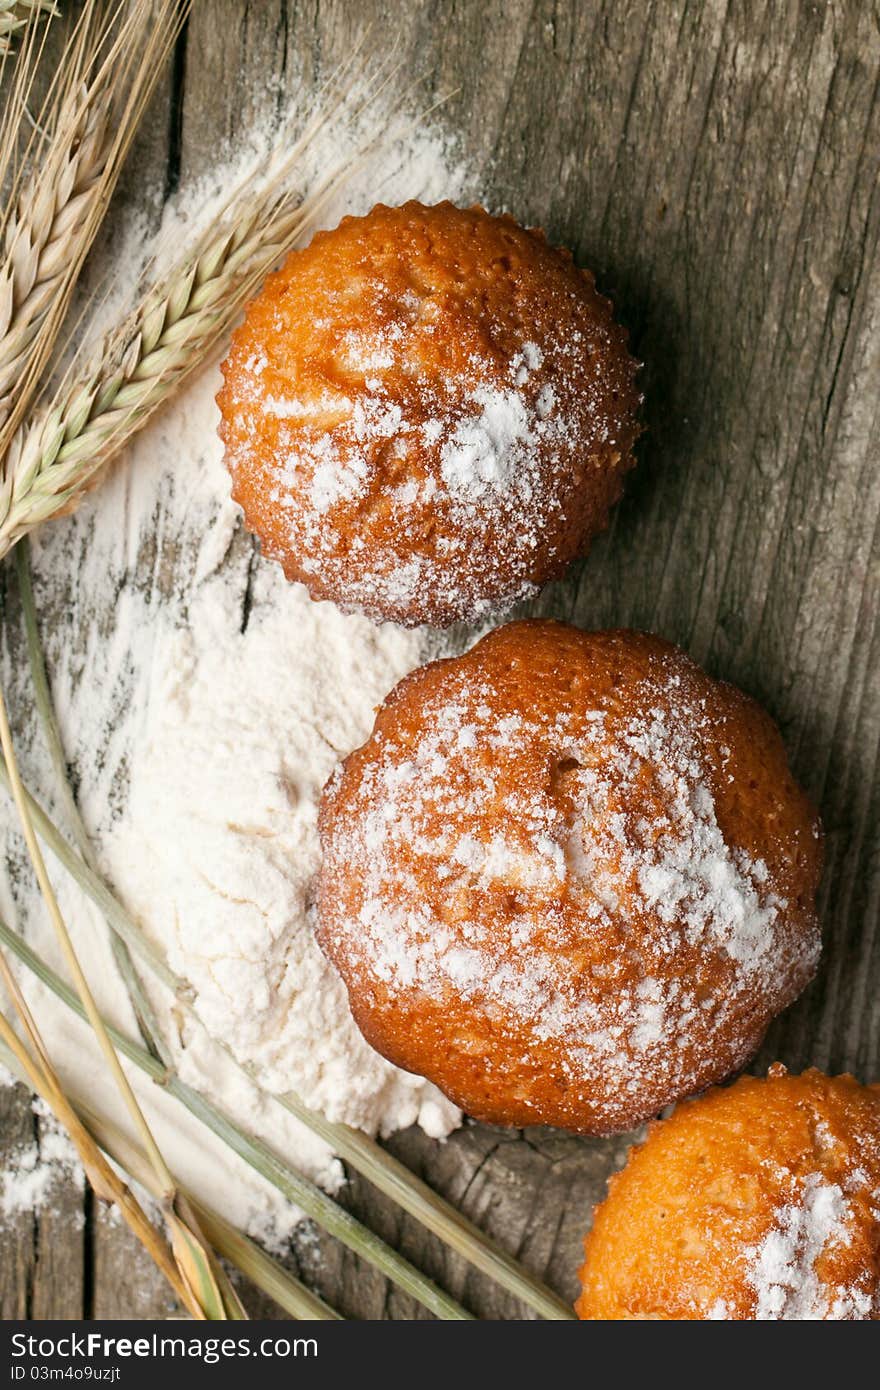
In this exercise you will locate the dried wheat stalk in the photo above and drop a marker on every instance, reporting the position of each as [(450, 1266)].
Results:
[(199, 1279), (37, 1069), (64, 178), (57, 454), (40, 234), (261, 1269), (21, 128)]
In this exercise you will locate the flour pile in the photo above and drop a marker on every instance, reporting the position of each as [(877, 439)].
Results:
[(253, 699), (203, 702)]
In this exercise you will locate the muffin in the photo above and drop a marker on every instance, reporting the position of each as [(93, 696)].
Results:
[(760, 1202), (427, 413), (569, 877)]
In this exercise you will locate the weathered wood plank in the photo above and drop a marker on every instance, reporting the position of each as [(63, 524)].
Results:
[(42, 1269), (716, 164), (17, 1266), (124, 1281)]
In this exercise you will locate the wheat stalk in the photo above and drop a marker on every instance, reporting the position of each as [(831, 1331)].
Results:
[(145, 1014), (261, 1269), (292, 1185), (54, 458), (34, 1063), (104, 78), (15, 145), (264, 1272), (16, 15)]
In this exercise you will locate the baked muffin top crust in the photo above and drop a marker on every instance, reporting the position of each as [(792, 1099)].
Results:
[(427, 413), (758, 1202), (569, 877)]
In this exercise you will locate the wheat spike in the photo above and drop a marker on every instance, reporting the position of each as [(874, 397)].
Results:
[(16, 15), (57, 455), (64, 178), (39, 234)]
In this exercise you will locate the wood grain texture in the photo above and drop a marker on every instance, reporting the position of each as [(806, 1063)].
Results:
[(44, 1270), (716, 164)]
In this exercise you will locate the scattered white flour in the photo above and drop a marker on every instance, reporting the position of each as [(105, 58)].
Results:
[(218, 846), (36, 1170), (203, 701)]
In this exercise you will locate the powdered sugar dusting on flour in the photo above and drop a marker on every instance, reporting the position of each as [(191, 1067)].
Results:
[(203, 702)]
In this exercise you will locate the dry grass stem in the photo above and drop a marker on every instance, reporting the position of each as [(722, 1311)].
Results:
[(43, 1078), (292, 1185), (248, 1258), (147, 1021), (71, 959), (264, 1272)]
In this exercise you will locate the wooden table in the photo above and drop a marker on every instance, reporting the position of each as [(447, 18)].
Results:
[(716, 164)]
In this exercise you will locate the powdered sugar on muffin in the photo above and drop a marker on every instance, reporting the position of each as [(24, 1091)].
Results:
[(757, 1202), (564, 844), (428, 413)]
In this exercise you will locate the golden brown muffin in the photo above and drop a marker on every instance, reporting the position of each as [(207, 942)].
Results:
[(569, 877), (757, 1202), (427, 413)]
